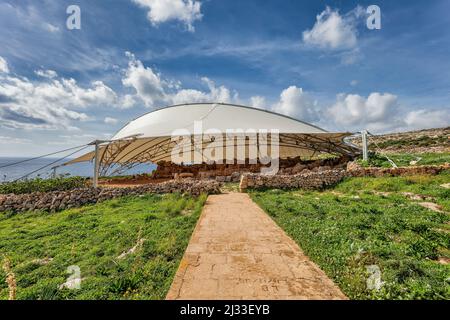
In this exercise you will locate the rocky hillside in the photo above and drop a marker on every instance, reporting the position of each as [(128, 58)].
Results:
[(421, 141)]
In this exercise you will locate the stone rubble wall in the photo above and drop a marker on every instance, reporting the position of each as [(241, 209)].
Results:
[(355, 170), (169, 170), (60, 200), (317, 178), (311, 180), (322, 177)]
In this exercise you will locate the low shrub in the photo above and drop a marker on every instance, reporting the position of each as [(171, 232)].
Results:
[(42, 185)]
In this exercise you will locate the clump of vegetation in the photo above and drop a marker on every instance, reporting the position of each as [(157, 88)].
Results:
[(421, 141), (406, 159), (43, 185), (368, 221), (126, 248)]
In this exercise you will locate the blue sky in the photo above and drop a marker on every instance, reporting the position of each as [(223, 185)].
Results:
[(314, 60)]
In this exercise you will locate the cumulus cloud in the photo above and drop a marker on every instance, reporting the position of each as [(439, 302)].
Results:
[(127, 101), (352, 108), (152, 89), (423, 119), (376, 112), (214, 94), (296, 103), (332, 31), (186, 11), (148, 85), (380, 113), (48, 104), (109, 120), (52, 102), (3, 65)]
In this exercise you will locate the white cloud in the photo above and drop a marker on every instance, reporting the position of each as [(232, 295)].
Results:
[(296, 103), (97, 94), (422, 119), (351, 112), (49, 104), (331, 31), (381, 113), (148, 85), (3, 65), (53, 102), (186, 11), (152, 89), (215, 94), (218, 94), (127, 101), (30, 17), (258, 102), (109, 120), (46, 73), (375, 112)]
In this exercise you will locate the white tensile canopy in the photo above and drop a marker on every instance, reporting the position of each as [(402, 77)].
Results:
[(149, 137)]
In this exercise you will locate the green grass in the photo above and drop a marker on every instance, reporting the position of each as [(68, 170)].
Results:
[(404, 159), (92, 237), (346, 229), (426, 185)]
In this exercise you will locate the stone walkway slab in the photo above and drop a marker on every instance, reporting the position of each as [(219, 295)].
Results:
[(238, 252)]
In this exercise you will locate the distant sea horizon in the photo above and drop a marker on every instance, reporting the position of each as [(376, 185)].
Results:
[(83, 169)]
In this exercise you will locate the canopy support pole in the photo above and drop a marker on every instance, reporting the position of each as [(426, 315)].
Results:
[(54, 172), (364, 145), (96, 163), (96, 143)]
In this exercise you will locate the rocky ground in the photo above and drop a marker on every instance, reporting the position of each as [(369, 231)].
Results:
[(421, 141)]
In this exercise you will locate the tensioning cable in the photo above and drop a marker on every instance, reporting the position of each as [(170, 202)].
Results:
[(53, 162), (393, 164), (35, 158)]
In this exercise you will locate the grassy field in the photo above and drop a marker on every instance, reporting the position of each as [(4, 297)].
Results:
[(41, 246), (371, 221), (361, 222)]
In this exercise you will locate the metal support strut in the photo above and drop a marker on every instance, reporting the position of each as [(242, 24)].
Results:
[(364, 145), (96, 143), (96, 164)]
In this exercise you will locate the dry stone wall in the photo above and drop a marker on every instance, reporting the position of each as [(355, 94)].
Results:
[(60, 200), (355, 170), (322, 177), (317, 178), (310, 180)]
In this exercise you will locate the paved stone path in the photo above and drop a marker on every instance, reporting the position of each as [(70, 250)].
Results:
[(238, 252)]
